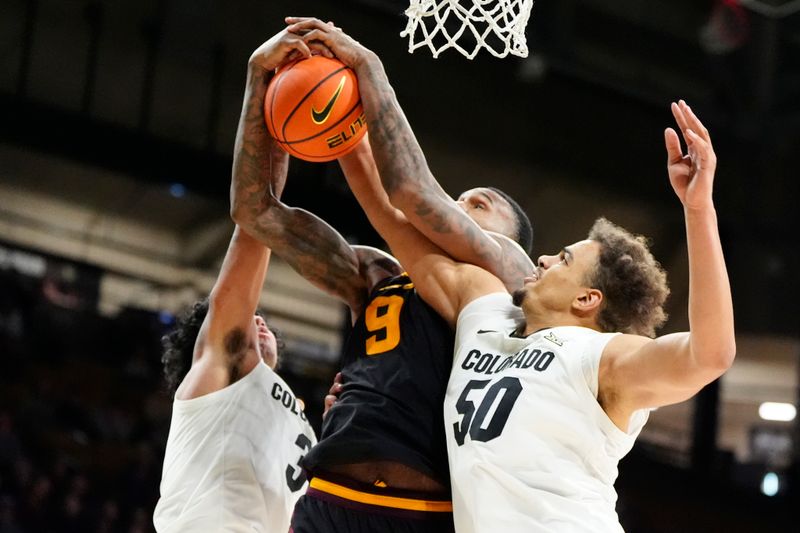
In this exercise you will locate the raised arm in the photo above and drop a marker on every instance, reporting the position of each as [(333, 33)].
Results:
[(312, 247), (416, 253), (399, 167), (441, 281), (672, 368), (361, 174), (227, 332), (225, 344)]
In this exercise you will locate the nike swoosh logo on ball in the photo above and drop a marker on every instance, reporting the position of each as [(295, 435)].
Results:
[(319, 117)]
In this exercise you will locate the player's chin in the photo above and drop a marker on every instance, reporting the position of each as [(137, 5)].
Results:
[(270, 356), (263, 349)]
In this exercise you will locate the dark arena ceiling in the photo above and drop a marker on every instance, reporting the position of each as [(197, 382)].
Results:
[(152, 89)]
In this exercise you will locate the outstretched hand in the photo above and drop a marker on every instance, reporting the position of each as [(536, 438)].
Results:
[(315, 32), (691, 174)]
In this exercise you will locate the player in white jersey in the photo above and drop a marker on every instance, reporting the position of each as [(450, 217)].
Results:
[(523, 418), (237, 432), (381, 462), (540, 407), (543, 402)]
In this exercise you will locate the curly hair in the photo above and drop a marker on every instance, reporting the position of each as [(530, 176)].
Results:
[(633, 282), (179, 344)]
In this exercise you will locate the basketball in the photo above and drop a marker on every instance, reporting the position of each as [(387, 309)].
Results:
[(313, 110)]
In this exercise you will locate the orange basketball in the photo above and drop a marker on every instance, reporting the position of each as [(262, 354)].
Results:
[(313, 109)]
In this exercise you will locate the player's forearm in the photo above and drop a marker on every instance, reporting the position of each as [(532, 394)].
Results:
[(259, 165), (397, 153), (408, 182), (362, 176), (712, 338), (314, 250), (235, 294)]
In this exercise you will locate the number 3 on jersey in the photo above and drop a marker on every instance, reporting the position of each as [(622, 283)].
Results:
[(382, 318), (295, 476), (474, 422)]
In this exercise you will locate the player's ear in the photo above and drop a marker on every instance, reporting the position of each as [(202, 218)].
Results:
[(587, 302)]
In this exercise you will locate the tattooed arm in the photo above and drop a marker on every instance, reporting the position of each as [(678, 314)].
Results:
[(225, 348), (362, 175), (401, 169), (312, 247)]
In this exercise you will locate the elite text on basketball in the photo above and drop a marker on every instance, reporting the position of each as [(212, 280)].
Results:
[(344, 136)]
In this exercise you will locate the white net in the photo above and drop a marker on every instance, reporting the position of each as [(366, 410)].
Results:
[(469, 25)]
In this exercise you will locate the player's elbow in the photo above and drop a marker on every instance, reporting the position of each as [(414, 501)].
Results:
[(726, 355), (245, 215), (719, 359), (241, 217), (240, 214), (237, 213)]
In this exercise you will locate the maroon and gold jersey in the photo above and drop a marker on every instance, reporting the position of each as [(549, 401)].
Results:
[(395, 366)]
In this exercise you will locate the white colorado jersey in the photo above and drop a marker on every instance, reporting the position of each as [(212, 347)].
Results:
[(530, 448), (232, 456)]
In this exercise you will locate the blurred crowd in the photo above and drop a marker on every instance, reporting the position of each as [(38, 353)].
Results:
[(83, 413)]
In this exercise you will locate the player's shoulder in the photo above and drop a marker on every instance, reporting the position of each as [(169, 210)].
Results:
[(369, 256), (622, 344), (494, 308), (577, 337), (621, 350), (376, 265)]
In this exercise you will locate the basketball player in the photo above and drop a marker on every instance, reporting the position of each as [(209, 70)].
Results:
[(381, 463), (542, 405), (237, 432)]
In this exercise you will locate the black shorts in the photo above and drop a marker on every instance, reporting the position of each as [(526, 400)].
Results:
[(345, 506)]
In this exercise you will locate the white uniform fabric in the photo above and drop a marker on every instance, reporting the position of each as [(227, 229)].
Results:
[(231, 462), (530, 448)]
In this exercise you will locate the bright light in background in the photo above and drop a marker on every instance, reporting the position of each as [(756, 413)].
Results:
[(177, 190), (771, 484), (782, 412)]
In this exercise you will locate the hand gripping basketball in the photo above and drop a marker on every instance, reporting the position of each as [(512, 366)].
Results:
[(313, 109), (280, 49), (314, 31)]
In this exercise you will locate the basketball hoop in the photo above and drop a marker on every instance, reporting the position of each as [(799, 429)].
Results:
[(468, 25)]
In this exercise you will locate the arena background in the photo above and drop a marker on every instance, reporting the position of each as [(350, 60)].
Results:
[(117, 121)]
